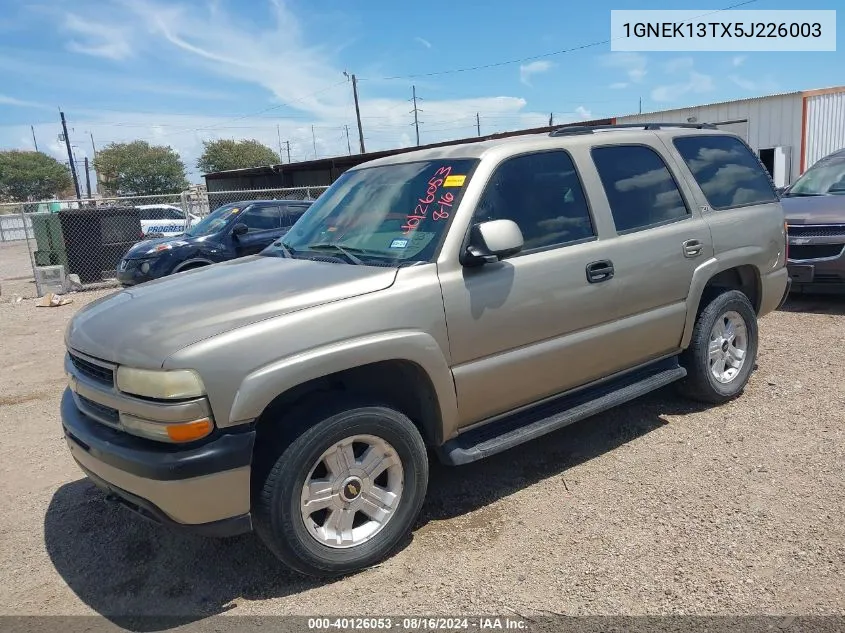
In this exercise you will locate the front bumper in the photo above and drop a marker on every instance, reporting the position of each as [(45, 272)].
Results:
[(203, 488), (817, 258), (131, 273)]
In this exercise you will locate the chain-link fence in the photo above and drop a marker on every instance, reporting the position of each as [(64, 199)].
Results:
[(58, 244)]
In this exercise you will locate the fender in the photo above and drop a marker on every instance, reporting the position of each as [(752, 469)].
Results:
[(191, 262), (259, 388), (705, 272)]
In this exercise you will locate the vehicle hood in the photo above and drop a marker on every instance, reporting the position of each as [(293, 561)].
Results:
[(143, 325), (814, 209)]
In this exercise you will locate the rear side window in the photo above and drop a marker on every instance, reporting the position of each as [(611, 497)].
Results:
[(542, 194), (726, 170), (639, 186)]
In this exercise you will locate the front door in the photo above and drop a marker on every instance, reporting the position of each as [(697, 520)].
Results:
[(264, 224), (522, 329)]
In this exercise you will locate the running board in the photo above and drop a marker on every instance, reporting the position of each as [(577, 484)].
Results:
[(544, 418)]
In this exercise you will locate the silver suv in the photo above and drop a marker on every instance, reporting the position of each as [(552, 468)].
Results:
[(464, 299)]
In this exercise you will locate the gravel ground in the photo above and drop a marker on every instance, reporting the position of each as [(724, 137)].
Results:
[(657, 507)]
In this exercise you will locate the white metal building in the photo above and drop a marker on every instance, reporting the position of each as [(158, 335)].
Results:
[(789, 131)]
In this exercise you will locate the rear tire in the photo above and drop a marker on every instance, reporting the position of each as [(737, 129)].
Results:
[(343, 494), (723, 350)]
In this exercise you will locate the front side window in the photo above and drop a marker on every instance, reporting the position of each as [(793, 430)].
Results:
[(542, 193), (639, 186), (261, 218), (215, 220), (726, 170), (392, 213)]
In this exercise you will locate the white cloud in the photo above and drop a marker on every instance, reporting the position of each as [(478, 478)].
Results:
[(739, 60), (21, 103), (633, 64), (423, 41), (696, 83), (98, 39), (619, 85), (526, 71), (678, 64), (752, 85), (583, 112), (302, 82)]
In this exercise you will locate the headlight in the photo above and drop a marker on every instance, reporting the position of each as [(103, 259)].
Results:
[(162, 385), (158, 248)]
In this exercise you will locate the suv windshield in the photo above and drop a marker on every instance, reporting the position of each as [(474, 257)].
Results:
[(215, 220), (395, 213), (824, 179)]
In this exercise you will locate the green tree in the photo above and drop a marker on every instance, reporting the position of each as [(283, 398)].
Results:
[(27, 176), (138, 168), (225, 154)]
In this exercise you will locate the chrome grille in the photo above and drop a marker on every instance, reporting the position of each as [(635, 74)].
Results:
[(816, 230), (92, 370), (100, 412), (814, 251)]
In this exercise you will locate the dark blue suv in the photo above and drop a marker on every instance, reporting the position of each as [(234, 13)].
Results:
[(231, 231)]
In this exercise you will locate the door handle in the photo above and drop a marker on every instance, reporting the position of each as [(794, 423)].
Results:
[(599, 271), (692, 248)]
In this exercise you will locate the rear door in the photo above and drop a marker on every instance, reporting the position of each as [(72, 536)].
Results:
[(660, 240), (264, 224)]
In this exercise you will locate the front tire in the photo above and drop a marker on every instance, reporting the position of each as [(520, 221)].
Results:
[(722, 351), (344, 493)]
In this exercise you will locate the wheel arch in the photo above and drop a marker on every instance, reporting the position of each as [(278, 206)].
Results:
[(715, 277), (194, 262), (406, 370)]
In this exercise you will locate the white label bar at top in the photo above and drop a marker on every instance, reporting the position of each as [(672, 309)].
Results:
[(729, 31)]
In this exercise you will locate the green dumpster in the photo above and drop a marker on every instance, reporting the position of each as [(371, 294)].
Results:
[(47, 228)]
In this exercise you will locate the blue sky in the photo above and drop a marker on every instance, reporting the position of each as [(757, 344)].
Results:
[(179, 72)]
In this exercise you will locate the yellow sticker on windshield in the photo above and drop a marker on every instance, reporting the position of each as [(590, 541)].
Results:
[(454, 181), (235, 210)]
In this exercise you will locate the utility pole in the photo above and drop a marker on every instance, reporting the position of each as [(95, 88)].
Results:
[(34, 142), (478, 123), (415, 110), (348, 146), (288, 146), (94, 147), (357, 109), (641, 105), (314, 140), (279, 136), (551, 119), (70, 156), (87, 178)]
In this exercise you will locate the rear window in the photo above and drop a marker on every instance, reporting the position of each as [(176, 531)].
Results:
[(726, 170)]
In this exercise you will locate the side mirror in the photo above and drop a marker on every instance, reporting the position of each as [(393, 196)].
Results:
[(239, 229), (492, 241)]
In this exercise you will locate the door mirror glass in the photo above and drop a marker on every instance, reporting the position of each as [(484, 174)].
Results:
[(239, 229), (492, 241)]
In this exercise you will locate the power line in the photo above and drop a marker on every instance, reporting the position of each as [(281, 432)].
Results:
[(534, 57)]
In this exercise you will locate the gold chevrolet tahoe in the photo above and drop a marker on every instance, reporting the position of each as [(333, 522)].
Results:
[(456, 301)]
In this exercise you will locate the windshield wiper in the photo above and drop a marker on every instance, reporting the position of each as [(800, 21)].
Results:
[(343, 251)]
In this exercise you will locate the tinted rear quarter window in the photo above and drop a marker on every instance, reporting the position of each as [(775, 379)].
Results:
[(639, 186), (726, 170)]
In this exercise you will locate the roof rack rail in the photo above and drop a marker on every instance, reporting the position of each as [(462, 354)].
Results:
[(571, 130)]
